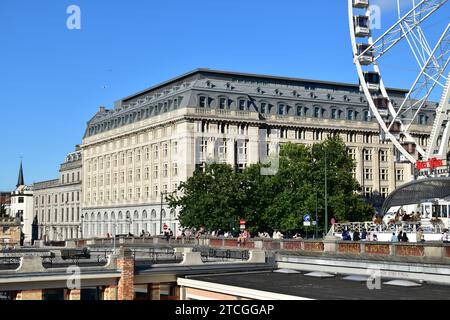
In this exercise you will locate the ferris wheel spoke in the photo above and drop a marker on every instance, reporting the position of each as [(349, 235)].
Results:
[(397, 32), (428, 77)]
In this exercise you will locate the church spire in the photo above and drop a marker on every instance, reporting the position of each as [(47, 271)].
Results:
[(20, 180)]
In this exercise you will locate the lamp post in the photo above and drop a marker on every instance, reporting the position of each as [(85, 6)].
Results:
[(326, 193), (81, 226), (128, 217), (163, 193), (317, 212)]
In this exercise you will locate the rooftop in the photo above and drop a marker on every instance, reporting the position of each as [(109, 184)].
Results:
[(317, 288)]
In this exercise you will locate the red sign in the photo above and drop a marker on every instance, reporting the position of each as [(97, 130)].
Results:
[(432, 164), (243, 222), (165, 227)]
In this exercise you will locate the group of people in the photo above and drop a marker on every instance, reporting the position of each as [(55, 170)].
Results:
[(400, 237), (356, 236)]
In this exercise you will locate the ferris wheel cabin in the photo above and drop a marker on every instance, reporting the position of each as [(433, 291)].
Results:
[(365, 57), (381, 103), (373, 80), (360, 4), (362, 26)]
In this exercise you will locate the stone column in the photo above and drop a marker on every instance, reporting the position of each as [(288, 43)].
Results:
[(29, 295), (74, 294), (154, 291), (125, 263), (110, 293)]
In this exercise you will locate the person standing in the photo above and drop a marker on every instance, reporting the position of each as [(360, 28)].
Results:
[(394, 237)]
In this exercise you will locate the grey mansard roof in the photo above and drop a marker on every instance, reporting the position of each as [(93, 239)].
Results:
[(184, 91)]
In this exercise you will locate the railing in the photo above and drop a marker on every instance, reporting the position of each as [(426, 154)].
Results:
[(222, 254), (9, 263), (409, 227)]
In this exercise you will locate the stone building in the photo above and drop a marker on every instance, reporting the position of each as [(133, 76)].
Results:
[(137, 152), (10, 231), (21, 206), (57, 203)]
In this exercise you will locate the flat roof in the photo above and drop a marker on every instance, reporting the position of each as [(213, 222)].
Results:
[(335, 288)]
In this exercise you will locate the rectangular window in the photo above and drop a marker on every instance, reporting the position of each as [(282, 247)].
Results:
[(383, 156), (281, 109), (166, 170), (147, 173), (165, 150), (368, 155), (175, 169), (368, 174), (155, 172), (400, 175), (384, 174), (299, 111), (368, 192), (175, 148)]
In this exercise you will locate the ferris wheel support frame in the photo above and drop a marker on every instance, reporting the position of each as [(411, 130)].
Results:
[(404, 28)]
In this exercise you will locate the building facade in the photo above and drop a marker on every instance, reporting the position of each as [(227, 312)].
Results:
[(57, 203), (136, 153), (21, 206)]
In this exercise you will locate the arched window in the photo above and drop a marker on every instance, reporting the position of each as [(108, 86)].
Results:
[(202, 101), (242, 104), (281, 109), (350, 115), (153, 214), (317, 112), (172, 213), (163, 213), (105, 216), (113, 216), (264, 107), (224, 103), (367, 116), (423, 119), (92, 216), (136, 215), (120, 216), (144, 215), (99, 216)]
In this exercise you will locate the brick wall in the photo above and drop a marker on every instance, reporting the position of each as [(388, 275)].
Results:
[(353, 248), (125, 263), (382, 249), (410, 251)]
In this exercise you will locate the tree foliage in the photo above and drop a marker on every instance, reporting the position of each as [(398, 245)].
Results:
[(218, 197)]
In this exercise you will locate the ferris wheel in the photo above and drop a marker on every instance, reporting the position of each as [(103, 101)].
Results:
[(398, 121)]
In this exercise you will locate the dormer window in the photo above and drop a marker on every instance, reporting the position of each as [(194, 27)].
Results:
[(334, 114), (299, 111)]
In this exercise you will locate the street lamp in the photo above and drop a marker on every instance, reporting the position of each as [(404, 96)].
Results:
[(317, 212), (163, 193), (81, 225), (326, 193), (128, 217)]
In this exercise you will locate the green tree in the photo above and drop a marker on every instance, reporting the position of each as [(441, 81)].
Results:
[(218, 197)]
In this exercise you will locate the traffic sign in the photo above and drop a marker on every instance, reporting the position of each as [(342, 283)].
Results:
[(243, 222), (314, 223), (306, 224), (165, 227), (307, 218)]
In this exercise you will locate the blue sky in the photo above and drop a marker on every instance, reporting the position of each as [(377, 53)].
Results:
[(52, 79)]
